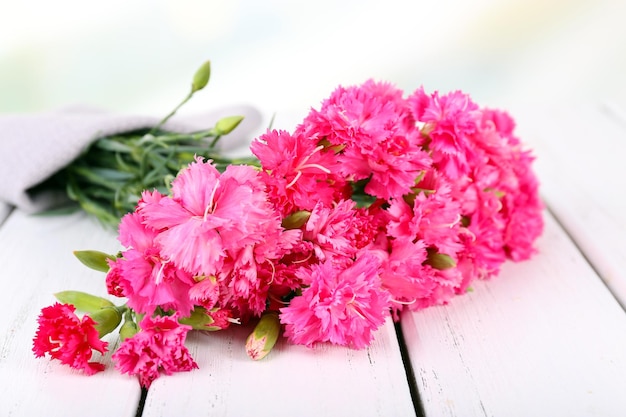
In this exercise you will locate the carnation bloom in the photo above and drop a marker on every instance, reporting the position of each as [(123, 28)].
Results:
[(297, 170), (221, 226), (213, 214), (158, 347), (338, 305), (449, 121), (333, 232), (68, 338), (372, 127), (143, 275), (432, 216)]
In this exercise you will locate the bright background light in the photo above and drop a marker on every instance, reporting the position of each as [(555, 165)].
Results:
[(285, 56)]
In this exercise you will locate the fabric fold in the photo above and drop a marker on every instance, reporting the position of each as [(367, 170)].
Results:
[(35, 146)]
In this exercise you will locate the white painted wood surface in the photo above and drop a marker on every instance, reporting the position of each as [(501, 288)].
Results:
[(544, 338), (581, 161), (37, 261), (291, 381)]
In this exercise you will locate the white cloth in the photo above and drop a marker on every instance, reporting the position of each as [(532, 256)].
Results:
[(35, 146)]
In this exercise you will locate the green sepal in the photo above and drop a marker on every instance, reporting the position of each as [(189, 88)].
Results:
[(107, 319), (199, 320), (264, 336), (129, 327), (83, 301), (296, 220), (94, 259), (439, 261)]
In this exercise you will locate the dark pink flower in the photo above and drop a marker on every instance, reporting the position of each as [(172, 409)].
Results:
[(373, 131), (333, 232), (297, 170), (449, 122), (159, 347), (66, 337), (343, 306)]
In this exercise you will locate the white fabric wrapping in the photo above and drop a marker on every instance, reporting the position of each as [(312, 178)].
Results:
[(35, 146)]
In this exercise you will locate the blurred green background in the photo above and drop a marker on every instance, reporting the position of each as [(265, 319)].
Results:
[(286, 56)]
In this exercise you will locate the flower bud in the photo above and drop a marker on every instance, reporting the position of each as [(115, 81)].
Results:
[(94, 259), (201, 77), (128, 329), (107, 320), (227, 124), (438, 260), (264, 337), (296, 220), (83, 301)]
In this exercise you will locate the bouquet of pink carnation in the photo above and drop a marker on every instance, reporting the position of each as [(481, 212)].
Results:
[(375, 203)]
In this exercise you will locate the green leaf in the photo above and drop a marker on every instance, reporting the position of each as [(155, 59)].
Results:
[(83, 301), (94, 259)]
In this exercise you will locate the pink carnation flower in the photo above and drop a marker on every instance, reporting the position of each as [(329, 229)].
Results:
[(297, 170), (143, 275), (215, 215), (158, 347), (333, 232), (372, 128), (411, 281), (450, 121), (343, 306), (68, 338), (433, 217)]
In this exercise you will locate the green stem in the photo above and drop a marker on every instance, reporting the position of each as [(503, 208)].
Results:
[(172, 113)]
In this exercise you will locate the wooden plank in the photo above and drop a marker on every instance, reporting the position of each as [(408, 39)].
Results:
[(290, 381), (37, 261), (544, 338), (580, 161)]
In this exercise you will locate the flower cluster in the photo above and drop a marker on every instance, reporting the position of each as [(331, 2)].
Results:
[(377, 202)]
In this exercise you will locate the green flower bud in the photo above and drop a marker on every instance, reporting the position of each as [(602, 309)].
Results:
[(264, 337), (201, 77), (227, 124), (296, 220), (94, 259), (83, 301), (438, 260), (128, 329), (107, 320)]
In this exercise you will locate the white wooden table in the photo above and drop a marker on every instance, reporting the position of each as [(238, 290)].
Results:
[(545, 338)]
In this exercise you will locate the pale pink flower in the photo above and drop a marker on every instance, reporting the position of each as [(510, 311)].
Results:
[(343, 306), (68, 338), (159, 347)]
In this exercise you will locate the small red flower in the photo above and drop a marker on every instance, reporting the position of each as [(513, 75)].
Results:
[(66, 337)]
